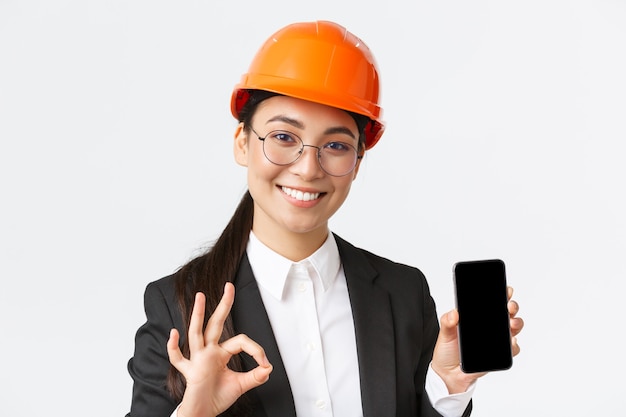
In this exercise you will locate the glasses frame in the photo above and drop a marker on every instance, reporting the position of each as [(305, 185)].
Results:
[(301, 151)]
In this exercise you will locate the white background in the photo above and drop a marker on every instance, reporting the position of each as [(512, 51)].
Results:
[(506, 123)]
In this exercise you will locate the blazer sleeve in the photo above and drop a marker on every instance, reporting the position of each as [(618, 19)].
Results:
[(150, 364)]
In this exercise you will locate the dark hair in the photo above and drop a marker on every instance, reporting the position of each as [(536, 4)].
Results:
[(209, 272)]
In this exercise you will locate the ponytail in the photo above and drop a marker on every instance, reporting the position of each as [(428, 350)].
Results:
[(209, 273)]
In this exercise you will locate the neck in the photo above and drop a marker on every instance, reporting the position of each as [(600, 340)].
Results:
[(292, 245)]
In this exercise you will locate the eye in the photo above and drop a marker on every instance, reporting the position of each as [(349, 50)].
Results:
[(284, 138), (338, 147)]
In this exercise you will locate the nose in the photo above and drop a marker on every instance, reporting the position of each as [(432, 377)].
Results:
[(308, 164)]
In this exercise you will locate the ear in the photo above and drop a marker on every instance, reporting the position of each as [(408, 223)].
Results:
[(240, 146)]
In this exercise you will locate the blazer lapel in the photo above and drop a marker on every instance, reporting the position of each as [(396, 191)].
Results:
[(250, 318), (374, 332), (375, 339)]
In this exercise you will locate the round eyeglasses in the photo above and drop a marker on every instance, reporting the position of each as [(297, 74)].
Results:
[(336, 158)]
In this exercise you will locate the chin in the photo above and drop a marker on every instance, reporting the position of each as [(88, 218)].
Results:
[(306, 228)]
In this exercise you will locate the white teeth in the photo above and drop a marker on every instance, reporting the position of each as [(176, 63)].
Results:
[(299, 195)]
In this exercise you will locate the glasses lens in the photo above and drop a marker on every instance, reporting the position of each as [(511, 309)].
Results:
[(338, 158), (281, 147)]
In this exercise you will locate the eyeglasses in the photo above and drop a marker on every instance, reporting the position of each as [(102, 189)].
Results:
[(336, 158)]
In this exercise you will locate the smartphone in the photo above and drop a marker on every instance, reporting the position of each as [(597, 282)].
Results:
[(484, 327)]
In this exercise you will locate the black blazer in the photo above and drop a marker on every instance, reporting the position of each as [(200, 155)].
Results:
[(396, 327)]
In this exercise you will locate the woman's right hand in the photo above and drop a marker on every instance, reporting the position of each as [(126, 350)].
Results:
[(212, 387)]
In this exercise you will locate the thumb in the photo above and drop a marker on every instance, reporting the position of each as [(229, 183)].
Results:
[(255, 377), (448, 331)]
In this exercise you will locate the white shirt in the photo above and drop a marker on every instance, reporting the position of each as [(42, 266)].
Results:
[(309, 309), (310, 313)]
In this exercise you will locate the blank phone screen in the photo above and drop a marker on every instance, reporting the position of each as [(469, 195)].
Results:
[(484, 333)]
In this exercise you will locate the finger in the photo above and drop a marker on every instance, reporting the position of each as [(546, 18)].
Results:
[(256, 376), (215, 326), (513, 308), (242, 343), (516, 324), (515, 349), (509, 292), (173, 350), (196, 339)]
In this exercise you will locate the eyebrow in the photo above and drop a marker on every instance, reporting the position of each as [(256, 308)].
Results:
[(299, 125)]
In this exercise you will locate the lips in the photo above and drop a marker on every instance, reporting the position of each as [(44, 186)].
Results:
[(300, 195)]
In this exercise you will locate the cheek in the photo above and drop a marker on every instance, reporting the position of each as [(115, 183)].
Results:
[(343, 186), (256, 158), (259, 167)]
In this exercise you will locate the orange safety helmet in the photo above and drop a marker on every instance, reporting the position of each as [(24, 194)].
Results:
[(320, 62)]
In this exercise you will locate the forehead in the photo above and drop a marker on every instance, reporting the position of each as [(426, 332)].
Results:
[(306, 113)]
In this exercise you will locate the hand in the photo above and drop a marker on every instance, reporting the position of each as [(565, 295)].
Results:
[(446, 359), (211, 387)]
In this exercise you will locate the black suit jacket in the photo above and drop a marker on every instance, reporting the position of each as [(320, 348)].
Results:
[(395, 323)]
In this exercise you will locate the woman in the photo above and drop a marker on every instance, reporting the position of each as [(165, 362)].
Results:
[(281, 317)]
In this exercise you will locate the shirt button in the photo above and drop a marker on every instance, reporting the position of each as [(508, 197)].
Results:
[(301, 287), (310, 346), (321, 404)]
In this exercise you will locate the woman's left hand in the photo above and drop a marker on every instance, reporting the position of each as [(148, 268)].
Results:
[(446, 359)]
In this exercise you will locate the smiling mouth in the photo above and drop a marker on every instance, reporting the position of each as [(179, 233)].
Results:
[(300, 195)]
